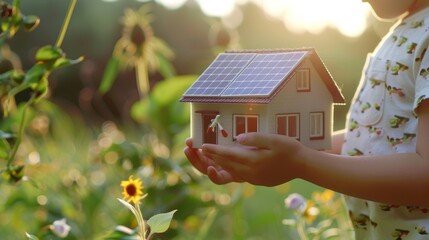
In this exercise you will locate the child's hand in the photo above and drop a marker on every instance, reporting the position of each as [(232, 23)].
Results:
[(207, 166), (261, 159)]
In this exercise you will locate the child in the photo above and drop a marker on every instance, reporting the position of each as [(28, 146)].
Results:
[(380, 162)]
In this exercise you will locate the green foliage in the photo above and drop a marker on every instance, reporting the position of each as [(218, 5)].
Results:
[(164, 112), (12, 20), (47, 59), (110, 74), (160, 223)]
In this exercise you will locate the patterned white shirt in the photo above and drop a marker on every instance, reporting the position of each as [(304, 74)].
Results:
[(382, 120)]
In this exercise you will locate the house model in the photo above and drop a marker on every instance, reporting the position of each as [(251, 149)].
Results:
[(282, 91)]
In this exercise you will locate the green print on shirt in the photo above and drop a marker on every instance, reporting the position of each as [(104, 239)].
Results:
[(417, 24), (402, 40), (365, 107), (355, 152), (411, 48), (395, 90), (422, 55), (407, 137), (398, 121), (353, 125), (387, 207), (422, 230), (398, 234), (424, 73), (398, 67), (375, 130), (375, 82), (377, 106), (420, 99)]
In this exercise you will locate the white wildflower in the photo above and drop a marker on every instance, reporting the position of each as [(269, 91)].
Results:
[(60, 228)]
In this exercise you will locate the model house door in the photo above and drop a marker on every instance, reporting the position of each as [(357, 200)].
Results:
[(209, 136)]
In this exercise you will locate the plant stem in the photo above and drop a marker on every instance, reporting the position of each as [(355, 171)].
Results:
[(16, 4), (142, 78), (300, 229), (20, 132), (141, 223), (66, 23)]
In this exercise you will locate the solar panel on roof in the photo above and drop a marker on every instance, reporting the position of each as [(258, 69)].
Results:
[(263, 74), (219, 74), (245, 74)]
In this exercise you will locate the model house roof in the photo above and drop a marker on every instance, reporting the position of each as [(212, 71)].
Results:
[(255, 76)]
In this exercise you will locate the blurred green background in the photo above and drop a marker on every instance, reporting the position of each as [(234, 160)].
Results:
[(80, 143)]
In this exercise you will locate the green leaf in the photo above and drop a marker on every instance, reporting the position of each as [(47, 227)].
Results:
[(31, 79), (31, 237), (165, 67), (160, 222), (16, 173), (6, 135), (140, 111), (163, 109), (64, 62), (49, 53), (35, 74), (125, 230), (30, 22), (170, 90), (11, 76), (123, 233), (130, 207), (4, 149), (109, 75)]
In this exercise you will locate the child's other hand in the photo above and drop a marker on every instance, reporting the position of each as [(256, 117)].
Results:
[(260, 159), (207, 166)]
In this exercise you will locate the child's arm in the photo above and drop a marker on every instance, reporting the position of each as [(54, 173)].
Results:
[(401, 179), (337, 142)]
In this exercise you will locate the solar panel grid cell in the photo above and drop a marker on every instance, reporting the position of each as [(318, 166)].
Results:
[(219, 74), (263, 74)]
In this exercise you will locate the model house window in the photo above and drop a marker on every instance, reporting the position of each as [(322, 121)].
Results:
[(317, 122), (245, 124), (303, 80), (288, 125)]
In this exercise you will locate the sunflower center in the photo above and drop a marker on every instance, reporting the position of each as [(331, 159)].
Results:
[(131, 189), (138, 35)]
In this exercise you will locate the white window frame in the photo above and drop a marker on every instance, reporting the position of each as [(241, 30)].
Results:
[(235, 116), (317, 125), (303, 80), (297, 125)]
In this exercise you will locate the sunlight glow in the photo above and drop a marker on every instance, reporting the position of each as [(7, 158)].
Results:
[(347, 16), (218, 8), (171, 4)]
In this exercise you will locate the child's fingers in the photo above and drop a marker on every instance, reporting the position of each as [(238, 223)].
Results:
[(189, 142), (231, 154), (220, 176), (195, 157), (258, 140)]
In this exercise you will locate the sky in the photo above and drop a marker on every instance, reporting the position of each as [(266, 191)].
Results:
[(349, 17)]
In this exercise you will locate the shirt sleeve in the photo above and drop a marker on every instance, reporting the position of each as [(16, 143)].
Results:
[(422, 81)]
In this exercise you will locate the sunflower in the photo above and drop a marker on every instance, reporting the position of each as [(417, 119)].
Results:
[(132, 190), (139, 48)]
